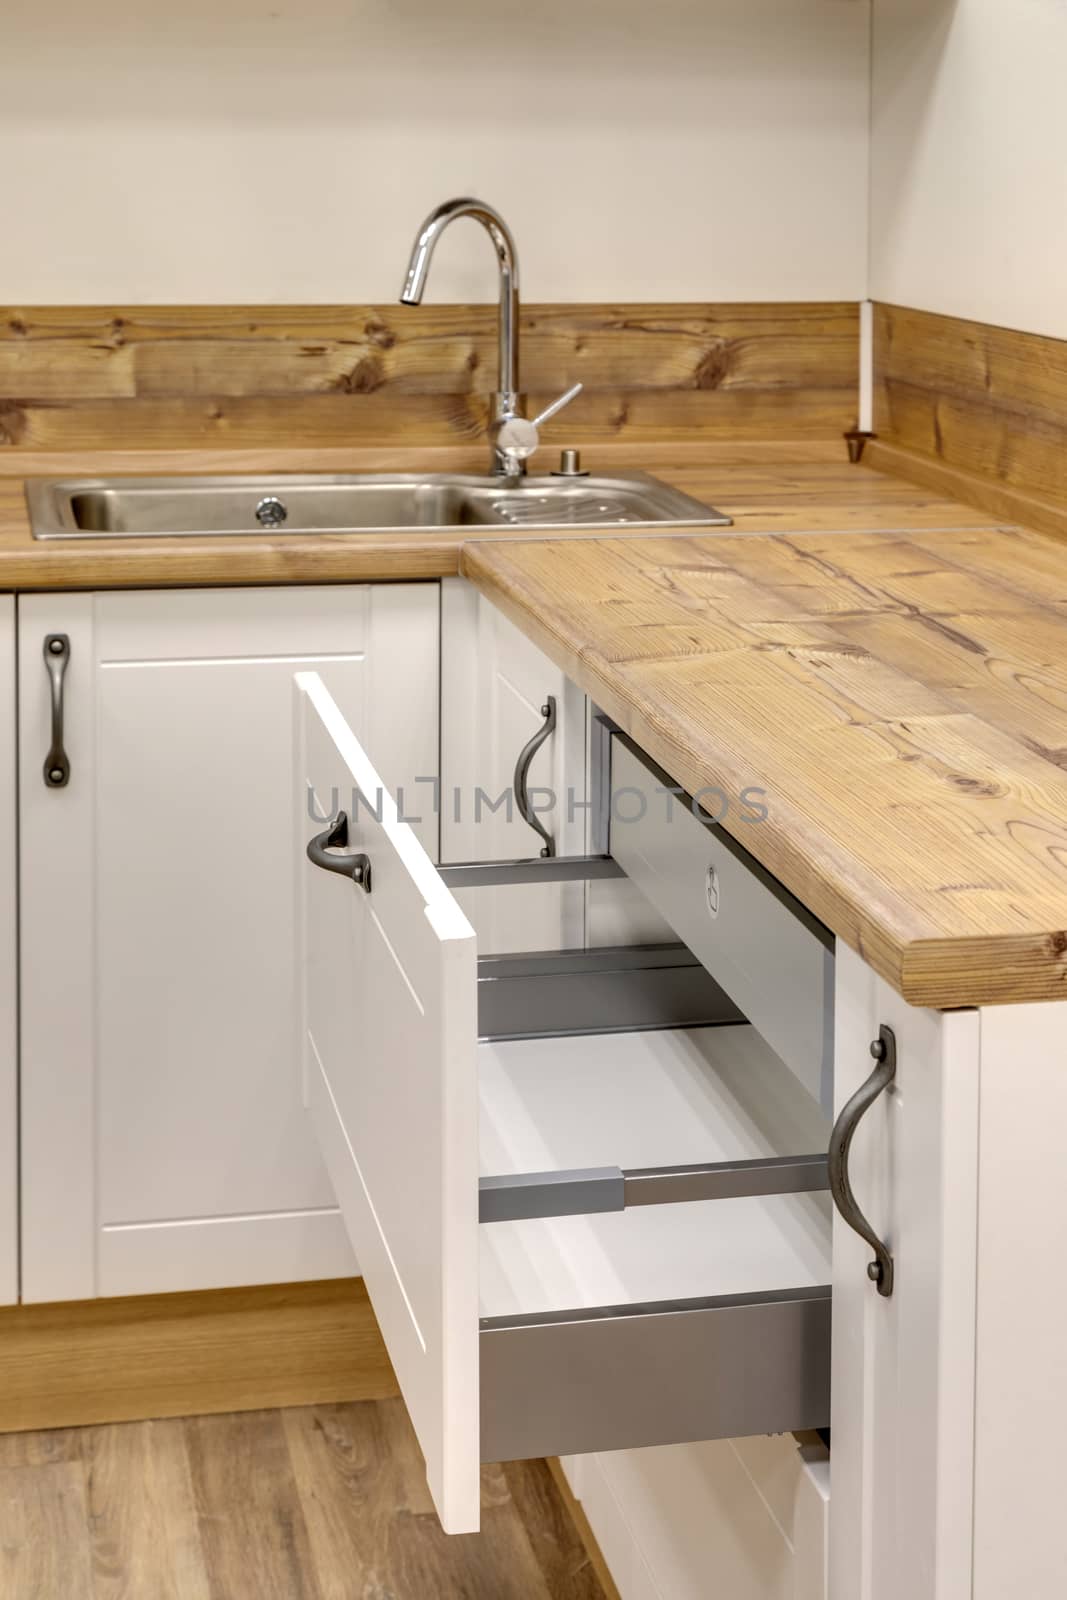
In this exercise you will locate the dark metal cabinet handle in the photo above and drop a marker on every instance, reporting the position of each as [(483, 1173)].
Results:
[(56, 657), (355, 867), (522, 773), (884, 1051)]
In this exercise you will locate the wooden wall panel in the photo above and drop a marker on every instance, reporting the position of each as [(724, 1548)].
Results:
[(973, 410), (193, 376)]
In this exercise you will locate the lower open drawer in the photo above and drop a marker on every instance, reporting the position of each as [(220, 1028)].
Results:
[(656, 1324), (596, 1329)]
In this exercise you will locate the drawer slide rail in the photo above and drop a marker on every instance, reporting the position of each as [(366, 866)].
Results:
[(520, 1196)]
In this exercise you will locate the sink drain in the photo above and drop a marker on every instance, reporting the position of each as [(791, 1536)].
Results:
[(271, 512)]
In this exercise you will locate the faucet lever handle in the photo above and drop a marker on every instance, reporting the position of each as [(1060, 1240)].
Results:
[(516, 438), (557, 405)]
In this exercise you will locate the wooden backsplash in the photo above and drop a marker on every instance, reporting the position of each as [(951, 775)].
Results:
[(187, 377), (973, 410)]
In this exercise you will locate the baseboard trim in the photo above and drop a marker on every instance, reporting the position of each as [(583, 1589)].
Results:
[(173, 1355), (585, 1531)]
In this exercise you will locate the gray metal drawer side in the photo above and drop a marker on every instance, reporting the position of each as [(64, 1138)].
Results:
[(770, 955), (623, 1377)]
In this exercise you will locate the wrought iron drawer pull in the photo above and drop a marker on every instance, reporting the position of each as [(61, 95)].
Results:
[(356, 867), (56, 657), (522, 773), (884, 1051)]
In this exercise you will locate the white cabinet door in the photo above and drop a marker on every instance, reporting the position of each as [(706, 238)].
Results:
[(164, 1144), (902, 1464), (494, 683), (8, 963)]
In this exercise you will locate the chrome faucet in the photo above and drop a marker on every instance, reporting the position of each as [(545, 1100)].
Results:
[(513, 437)]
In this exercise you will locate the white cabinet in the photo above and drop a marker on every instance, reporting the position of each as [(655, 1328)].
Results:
[(904, 1366), (563, 1331), (1020, 1368), (950, 1397), (494, 687), (192, 985), (746, 1519), (163, 1140), (8, 962)]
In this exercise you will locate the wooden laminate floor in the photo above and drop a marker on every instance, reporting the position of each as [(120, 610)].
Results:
[(324, 1502)]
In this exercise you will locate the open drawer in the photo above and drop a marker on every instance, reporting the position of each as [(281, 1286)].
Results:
[(600, 1241)]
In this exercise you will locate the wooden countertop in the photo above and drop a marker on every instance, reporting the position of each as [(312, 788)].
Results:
[(765, 487), (900, 696), (888, 664)]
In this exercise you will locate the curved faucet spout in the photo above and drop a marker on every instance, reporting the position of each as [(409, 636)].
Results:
[(507, 396)]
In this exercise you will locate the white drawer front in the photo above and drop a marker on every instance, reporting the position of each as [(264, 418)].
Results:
[(772, 960), (388, 1015)]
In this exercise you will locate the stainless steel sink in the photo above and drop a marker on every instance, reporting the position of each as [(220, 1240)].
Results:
[(138, 508)]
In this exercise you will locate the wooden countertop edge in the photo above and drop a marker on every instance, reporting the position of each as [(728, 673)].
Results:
[(243, 560), (941, 973), (200, 563), (983, 971)]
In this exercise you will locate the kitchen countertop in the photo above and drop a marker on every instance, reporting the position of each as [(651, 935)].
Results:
[(766, 487), (889, 665), (900, 696)]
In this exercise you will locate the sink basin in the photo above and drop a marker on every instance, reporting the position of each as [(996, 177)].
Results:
[(102, 508)]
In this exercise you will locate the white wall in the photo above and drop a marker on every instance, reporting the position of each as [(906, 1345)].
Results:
[(272, 150), (969, 160)]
